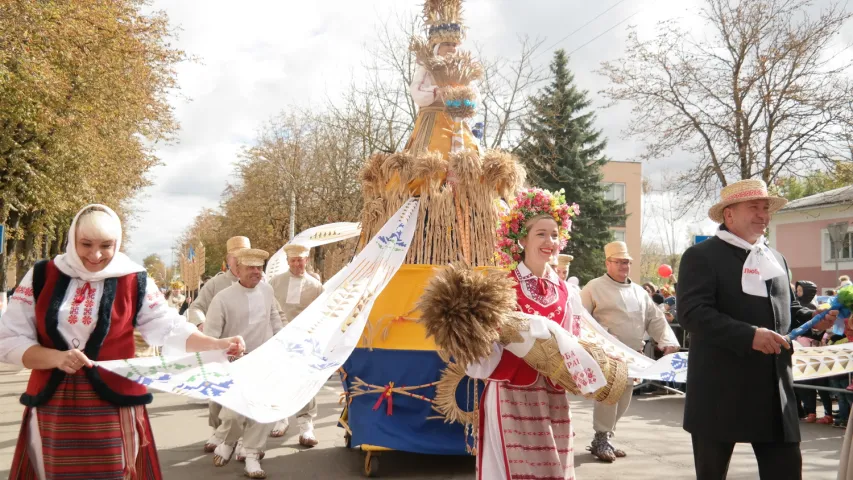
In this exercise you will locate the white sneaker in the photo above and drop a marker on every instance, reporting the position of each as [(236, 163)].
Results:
[(280, 428), (222, 454), (253, 466)]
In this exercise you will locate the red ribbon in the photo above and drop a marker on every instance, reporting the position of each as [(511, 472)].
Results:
[(543, 286), (81, 297), (386, 394)]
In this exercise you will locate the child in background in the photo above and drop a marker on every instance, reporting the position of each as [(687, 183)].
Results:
[(841, 381)]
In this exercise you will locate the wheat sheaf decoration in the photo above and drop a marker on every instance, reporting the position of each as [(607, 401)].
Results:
[(464, 310)]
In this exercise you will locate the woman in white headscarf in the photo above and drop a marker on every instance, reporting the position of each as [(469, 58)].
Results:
[(81, 421)]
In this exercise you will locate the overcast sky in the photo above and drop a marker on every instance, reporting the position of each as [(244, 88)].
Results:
[(256, 58)]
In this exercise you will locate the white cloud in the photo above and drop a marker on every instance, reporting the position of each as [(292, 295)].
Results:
[(259, 57)]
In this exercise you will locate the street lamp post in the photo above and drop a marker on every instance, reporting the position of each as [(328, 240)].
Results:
[(837, 233)]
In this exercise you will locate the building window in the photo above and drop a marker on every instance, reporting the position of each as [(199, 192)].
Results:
[(616, 193), (619, 235), (846, 253)]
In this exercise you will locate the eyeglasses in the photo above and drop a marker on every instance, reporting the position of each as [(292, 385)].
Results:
[(621, 262)]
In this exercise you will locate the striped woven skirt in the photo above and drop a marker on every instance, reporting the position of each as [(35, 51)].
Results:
[(78, 436), (525, 433)]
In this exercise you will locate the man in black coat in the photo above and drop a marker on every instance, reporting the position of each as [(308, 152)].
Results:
[(735, 300)]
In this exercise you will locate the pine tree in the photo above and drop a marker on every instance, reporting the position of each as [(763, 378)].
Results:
[(561, 149)]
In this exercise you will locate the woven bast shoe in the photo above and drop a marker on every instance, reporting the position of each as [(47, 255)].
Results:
[(601, 448), (253, 467), (222, 454), (616, 450)]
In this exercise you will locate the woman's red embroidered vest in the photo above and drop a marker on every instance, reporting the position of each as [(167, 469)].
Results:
[(514, 370), (112, 338)]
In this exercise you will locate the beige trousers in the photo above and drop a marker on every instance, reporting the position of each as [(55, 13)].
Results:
[(213, 419), (234, 426), (308, 413), (605, 417)]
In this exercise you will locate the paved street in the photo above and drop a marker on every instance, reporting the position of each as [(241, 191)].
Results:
[(651, 434)]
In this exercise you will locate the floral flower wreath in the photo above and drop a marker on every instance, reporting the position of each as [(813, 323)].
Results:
[(530, 203)]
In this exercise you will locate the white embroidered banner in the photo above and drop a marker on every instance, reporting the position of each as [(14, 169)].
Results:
[(284, 374), (808, 362)]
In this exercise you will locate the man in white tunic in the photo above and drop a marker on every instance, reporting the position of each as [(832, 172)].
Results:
[(197, 311), (628, 313), (294, 291), (249, 307)]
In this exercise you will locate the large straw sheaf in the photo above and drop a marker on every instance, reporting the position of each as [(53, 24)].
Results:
[(459, 68), (399, 163), (466, 166), (429, 166), (545, 357), (437, 12), (503, 173), (421, 49), (371, 175), (463, 310)]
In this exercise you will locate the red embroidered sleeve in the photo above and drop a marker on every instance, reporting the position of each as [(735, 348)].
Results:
[(23, 294)]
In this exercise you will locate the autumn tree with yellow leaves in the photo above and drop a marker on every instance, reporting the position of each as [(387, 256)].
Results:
[(83, 101)]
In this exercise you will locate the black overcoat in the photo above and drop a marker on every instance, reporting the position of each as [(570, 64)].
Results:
[(734, 393)]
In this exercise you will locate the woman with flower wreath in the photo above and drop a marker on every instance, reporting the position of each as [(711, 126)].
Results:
[(525, 421)]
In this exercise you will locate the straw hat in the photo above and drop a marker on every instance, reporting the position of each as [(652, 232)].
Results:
[(744, 191), (252, 257), (236, 243), (617, 250), (295, 250), (564, 260), (177, 285)]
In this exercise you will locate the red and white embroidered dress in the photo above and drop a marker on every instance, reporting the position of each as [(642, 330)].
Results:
[(525, 420), (76, 317)]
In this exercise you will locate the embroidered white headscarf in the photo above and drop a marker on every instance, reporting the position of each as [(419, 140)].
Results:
[(70, 264), (760, 266)]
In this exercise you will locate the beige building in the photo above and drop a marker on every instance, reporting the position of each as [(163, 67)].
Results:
[(625, 185)]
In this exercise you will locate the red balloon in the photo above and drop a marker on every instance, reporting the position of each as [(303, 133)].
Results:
[(665, 271)]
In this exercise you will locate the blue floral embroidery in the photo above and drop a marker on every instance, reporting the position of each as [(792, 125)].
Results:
[(679, 362)]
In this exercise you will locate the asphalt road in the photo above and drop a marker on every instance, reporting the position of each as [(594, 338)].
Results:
[(651, 434)]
